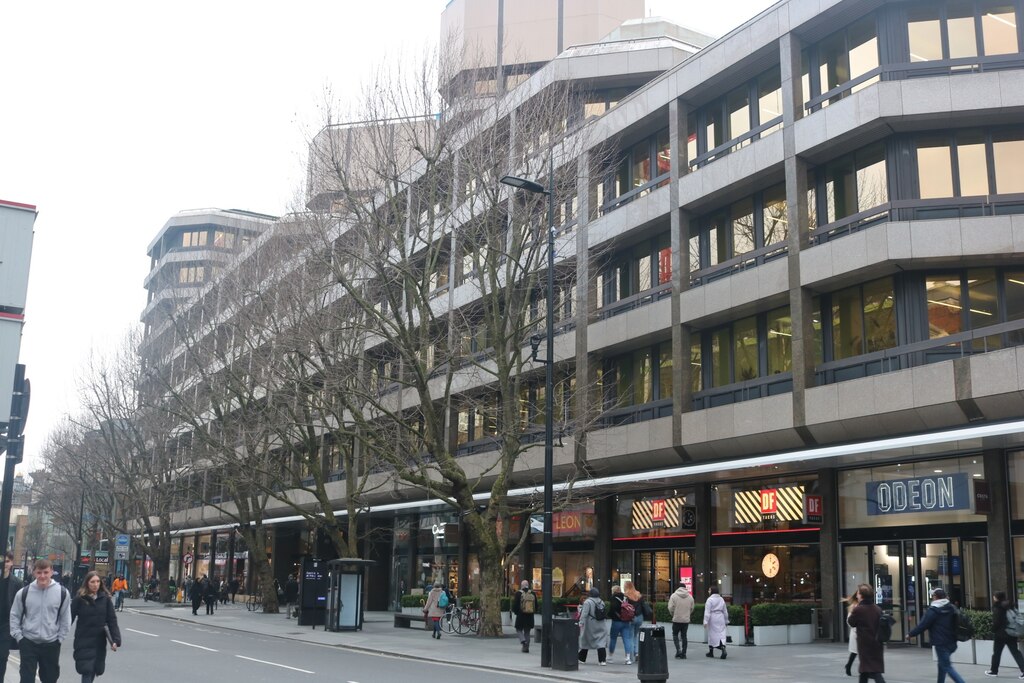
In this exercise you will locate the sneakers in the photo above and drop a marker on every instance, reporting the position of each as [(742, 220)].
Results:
[(993, 675), (628, 661), (611, 659), (602, 663)]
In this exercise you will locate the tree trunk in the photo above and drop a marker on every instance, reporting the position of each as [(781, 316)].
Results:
[(264, 571), (490, 550)]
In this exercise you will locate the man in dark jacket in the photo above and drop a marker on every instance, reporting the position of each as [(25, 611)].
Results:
[(9, 586), (940, 622), (1002, 639)]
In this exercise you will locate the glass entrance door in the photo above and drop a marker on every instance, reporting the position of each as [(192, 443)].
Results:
[(887, 571), (935, 570)]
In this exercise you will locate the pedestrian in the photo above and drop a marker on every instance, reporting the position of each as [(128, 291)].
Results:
[(680, 608), (291, 593), (120, 587), (524, 606), (233, 585), (642, 610), (851, 646), (9, 587), (622, 624), (593, 631), (1002, 639), (433, 611), (864, 618), (96, 623), (40, 621), (210, 594), (716, 619), (198, 589), (940, 622)]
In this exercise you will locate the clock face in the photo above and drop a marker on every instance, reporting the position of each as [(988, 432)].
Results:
[(770, 565)]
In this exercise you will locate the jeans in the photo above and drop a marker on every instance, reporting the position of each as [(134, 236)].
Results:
[(997, 652), (945, 667), (119, 600), (679, 634), (44, 656), (638, 621), (624, 629)]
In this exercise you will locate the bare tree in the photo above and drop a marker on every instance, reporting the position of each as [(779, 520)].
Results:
[(445, 266)]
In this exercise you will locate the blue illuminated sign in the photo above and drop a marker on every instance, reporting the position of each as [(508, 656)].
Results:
[(936, 493)]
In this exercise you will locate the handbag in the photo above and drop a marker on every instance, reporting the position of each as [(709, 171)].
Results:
[(106, 632)]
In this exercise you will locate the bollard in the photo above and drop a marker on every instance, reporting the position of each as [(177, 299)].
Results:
[(652, 659)]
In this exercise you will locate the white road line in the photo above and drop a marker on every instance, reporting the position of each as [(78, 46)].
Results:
[(181, 642), (142, 633), (283, 666)]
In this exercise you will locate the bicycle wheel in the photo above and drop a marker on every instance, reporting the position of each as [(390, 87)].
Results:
[(474, 621), (448, 621)]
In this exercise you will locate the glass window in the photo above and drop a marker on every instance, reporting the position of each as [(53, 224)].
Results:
[(863, 49), (641, 155), (719, 244), (973, 167), (694, 253), (715, 128), (775, 220), (769, 99), (742, 219), (847, 325), (643, 386), (691, 138), (833, 62), (934, 167), (983, 295), (963, 41), (1014, 286), (1008, 155), (643, 267), (872, 185), (697, 377), (664, 153), (721, 358), (925, 32), (998, 28), (738, 107), (840, 190), (665, 370), (664, 246), (944, 308), (780, 341), (463, 433), (879, 315), (746, 349)]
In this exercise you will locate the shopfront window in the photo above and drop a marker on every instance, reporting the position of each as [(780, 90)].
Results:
[(655, 515), (571, 573), (762, 506), (903, 494), (768, 573)]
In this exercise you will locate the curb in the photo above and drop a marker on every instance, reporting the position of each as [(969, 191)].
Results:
[(363, 649)]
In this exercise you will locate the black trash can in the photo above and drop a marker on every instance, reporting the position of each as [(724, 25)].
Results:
[(565, 643), (652, 656)]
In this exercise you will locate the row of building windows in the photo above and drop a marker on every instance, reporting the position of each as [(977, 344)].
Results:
[(199, 238)]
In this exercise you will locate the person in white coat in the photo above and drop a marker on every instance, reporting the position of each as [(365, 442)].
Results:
[(716, 618)]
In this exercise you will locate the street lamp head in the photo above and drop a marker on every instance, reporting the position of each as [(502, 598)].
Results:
[(523, 184)]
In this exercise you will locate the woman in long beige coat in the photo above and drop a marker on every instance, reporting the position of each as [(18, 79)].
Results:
[(433, 610)]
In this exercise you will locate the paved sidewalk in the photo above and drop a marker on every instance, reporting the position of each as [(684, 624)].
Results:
[(794, 663)]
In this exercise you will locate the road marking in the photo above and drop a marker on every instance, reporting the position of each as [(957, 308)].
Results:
[(181, 642), (143, 633), (283, 666)]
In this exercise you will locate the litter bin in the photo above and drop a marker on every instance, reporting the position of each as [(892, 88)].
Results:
[(653, 659), (565, 639)]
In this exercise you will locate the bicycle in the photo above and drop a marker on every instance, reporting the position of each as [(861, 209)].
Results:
[(466, 620), (254, 603)]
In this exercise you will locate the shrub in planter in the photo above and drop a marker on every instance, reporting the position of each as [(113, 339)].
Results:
[(981, 620), (469, 601), (413, 600), (506, 604), (779, 614)]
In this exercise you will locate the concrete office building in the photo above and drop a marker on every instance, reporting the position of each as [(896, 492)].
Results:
[(806, 319)]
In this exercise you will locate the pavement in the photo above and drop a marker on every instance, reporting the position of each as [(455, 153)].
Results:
[(811, 663)]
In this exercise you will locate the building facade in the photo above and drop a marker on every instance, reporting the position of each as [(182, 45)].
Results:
[(805, 317)]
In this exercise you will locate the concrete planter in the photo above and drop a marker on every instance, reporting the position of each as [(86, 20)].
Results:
[(771, 635), (983, 650), (965, 654), (414, 611), (736, 633), (800, 634)]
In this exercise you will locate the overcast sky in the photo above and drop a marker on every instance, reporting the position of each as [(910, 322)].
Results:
[(117, 115)]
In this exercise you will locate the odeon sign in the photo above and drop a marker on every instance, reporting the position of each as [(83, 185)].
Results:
[(919, 494)]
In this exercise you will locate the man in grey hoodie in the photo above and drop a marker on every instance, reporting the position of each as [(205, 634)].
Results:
[(680, 606), (40, 621)]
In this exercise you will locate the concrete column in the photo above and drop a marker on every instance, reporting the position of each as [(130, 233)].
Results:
[(1000, 547), (679, 224), (702, 543), (583, 306), (605, 511), (828, 547), (800, 300)]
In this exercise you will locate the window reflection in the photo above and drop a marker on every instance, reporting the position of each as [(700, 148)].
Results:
[(696, 376), (863, 319), (973, 174), (960, 27), (943, 302), (742, 218), (925, 33), (780, 341), (1008, 156), (984, 310), (998, 28), (721, 358), (745, 345), (775, 220), (769, 99), (935, 168)]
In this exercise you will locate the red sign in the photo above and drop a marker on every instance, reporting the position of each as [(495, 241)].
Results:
[(769, 501), (813, 510), (572, 523), (659, 508), (686, 578)]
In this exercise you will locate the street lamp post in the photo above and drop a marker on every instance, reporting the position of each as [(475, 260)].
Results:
[(549, 408)]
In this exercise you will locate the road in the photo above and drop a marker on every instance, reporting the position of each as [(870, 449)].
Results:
[(161, 650)]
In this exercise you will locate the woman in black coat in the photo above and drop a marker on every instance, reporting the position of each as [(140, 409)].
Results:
[(93, 609), (864, 618)]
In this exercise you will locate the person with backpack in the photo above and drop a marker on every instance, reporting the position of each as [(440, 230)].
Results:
[(642, 610), (9, 587), (434, 610), (621, 612), (680, 608), (593, 631), (96, 624), (1006, 629), (940, 620), (865, 618), (524, 606), (40, 621), (716, 621)]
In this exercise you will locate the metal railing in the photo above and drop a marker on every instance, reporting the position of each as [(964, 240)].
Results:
[(738, 263), (759, 387), (630, 303)]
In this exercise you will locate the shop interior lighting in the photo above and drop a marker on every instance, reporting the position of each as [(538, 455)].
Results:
[(1000, 19)]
